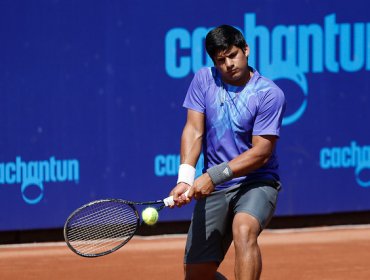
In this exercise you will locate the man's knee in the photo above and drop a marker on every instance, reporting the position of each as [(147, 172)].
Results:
[(246, 229)]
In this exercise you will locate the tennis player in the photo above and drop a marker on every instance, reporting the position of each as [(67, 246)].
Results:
[(234, 116)]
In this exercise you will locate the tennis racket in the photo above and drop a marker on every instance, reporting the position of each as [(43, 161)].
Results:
[(103, 226)]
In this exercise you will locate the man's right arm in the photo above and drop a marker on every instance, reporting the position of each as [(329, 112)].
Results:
[(191, 147)]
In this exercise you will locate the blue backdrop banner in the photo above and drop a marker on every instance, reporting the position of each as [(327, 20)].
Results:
[(91, 99)]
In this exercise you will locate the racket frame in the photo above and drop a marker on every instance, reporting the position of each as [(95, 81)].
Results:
[(126, 202)]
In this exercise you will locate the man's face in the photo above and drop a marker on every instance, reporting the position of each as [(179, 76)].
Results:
[(233, 65)]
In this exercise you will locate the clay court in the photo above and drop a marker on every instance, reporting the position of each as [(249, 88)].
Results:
[(339, 252)]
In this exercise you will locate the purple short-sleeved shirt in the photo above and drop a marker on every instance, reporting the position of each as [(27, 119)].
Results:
[(233, 115)]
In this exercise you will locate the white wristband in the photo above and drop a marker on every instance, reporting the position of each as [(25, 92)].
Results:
[(186, 174)]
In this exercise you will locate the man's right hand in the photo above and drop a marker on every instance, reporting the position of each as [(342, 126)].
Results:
[(179, 197)]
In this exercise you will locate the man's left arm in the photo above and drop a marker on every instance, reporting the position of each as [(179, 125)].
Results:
[(254, 158)]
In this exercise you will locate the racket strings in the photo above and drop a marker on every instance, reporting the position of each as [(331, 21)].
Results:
[(101, 227)]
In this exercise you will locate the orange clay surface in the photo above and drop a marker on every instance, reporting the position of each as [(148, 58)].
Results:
[(315, 253)]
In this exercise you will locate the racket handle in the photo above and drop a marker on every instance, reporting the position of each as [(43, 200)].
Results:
[(168, 201)]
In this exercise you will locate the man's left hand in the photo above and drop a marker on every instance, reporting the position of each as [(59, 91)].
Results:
[(202, 187)]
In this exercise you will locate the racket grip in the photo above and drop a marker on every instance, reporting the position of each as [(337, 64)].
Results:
[(168, 201)]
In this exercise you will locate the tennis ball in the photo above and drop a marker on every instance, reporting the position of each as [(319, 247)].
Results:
[(150, 216)]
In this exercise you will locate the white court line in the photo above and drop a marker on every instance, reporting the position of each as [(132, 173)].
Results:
[(318, 228), (183, 236), (62, 243)]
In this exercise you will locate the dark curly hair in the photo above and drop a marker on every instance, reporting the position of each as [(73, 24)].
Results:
[(222, 38)]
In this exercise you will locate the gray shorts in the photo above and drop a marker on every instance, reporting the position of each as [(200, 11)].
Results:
[(210, 232)]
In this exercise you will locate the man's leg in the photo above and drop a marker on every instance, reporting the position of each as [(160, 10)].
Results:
[(209, 237), (253, 211), (248, 261), (204, 271)]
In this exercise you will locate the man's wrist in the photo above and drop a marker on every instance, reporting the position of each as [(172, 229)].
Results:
[(186, 174), (220, 173)]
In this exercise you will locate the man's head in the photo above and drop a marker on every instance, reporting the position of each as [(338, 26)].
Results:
[(222, 38), (229, 52)]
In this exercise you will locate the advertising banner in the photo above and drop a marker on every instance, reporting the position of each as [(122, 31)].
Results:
[(91, 97)]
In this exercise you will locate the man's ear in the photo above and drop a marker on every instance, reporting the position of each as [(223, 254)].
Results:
[(246, 50)]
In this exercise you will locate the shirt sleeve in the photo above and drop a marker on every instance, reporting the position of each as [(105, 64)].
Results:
[(195, 97), (270, 113)]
